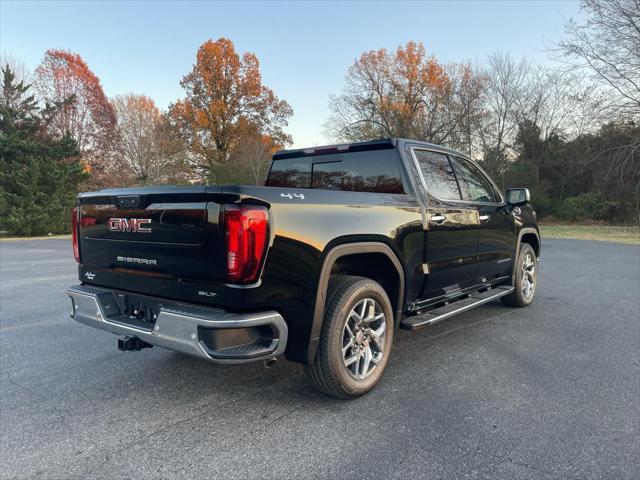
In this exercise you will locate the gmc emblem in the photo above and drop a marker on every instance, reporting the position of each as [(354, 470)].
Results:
[(135, 225)]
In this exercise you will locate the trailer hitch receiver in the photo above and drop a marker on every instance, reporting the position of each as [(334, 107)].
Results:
[(133, 344)]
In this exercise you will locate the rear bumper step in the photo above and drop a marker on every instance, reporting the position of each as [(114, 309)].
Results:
[(209, 333), (454, 308)]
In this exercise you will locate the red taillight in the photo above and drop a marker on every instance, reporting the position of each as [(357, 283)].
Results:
[(88, 221), (247, 235), (74, 233)]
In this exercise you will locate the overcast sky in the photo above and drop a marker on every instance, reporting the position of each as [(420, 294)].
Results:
[(304, 48)]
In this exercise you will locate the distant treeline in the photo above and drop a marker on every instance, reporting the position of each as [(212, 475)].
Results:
[(570, 133)]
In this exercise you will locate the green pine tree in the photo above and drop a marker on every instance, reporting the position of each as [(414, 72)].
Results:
[(39, 174)]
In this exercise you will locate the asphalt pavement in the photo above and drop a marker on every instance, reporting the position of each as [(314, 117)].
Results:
[(548, 391)]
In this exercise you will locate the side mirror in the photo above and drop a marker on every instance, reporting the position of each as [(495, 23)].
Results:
[(518, 196)]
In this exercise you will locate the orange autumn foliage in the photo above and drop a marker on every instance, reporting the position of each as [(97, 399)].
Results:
[(225, 98), (85, 113), (404, 93), (400, 82)]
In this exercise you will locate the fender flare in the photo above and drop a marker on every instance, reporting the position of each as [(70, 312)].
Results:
[(323, 283)]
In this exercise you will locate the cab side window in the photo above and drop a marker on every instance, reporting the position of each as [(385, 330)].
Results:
[(475, 186), (438, 175)]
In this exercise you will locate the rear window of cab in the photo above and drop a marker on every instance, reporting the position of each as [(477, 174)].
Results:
[(366, 171)]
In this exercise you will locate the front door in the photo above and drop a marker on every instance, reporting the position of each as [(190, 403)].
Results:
[(452, 228), (495, 243), (452, 247), (496, 235)]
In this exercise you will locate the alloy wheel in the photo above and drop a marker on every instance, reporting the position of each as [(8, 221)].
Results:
[(528, 279), (363, 338)]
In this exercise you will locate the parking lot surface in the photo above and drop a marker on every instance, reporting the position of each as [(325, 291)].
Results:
[(548, 391)]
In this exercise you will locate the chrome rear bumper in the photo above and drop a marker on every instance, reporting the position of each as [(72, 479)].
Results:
[(187, 328)]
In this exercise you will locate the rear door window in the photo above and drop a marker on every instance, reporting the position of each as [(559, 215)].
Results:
[(438, 175)]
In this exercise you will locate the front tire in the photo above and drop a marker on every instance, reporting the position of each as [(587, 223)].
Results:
[(356, 339), (525, 280)]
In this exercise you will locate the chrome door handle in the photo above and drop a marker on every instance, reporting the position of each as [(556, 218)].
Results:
[(438, 218), (482, 218)]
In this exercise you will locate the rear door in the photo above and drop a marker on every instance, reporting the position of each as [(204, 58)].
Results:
[(452, 227), (162, 241), (496, 235)]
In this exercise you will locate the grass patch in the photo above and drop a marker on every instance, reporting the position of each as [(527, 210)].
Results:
[(607, 233)]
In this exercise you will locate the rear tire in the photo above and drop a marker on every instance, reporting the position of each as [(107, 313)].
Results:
[(356, 339), (525, 279)]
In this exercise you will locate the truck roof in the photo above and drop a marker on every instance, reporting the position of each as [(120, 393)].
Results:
[(376, 144)]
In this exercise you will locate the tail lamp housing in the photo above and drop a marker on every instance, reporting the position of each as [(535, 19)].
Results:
[(74, 233), (247, 238)]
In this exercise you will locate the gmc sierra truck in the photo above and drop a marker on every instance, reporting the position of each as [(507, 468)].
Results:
[(343, 245)]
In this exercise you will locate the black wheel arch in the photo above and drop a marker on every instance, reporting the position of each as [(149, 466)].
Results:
[(337, 257), (528, 235)]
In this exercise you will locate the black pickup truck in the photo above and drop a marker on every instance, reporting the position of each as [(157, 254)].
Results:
[(342, 246)]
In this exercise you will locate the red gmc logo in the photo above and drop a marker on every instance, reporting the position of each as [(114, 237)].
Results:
[(135, 225)]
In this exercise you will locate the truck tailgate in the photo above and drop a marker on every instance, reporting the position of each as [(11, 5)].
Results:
[(160, 240)]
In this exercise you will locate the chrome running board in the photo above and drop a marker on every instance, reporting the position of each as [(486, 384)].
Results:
[(454, 308)]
